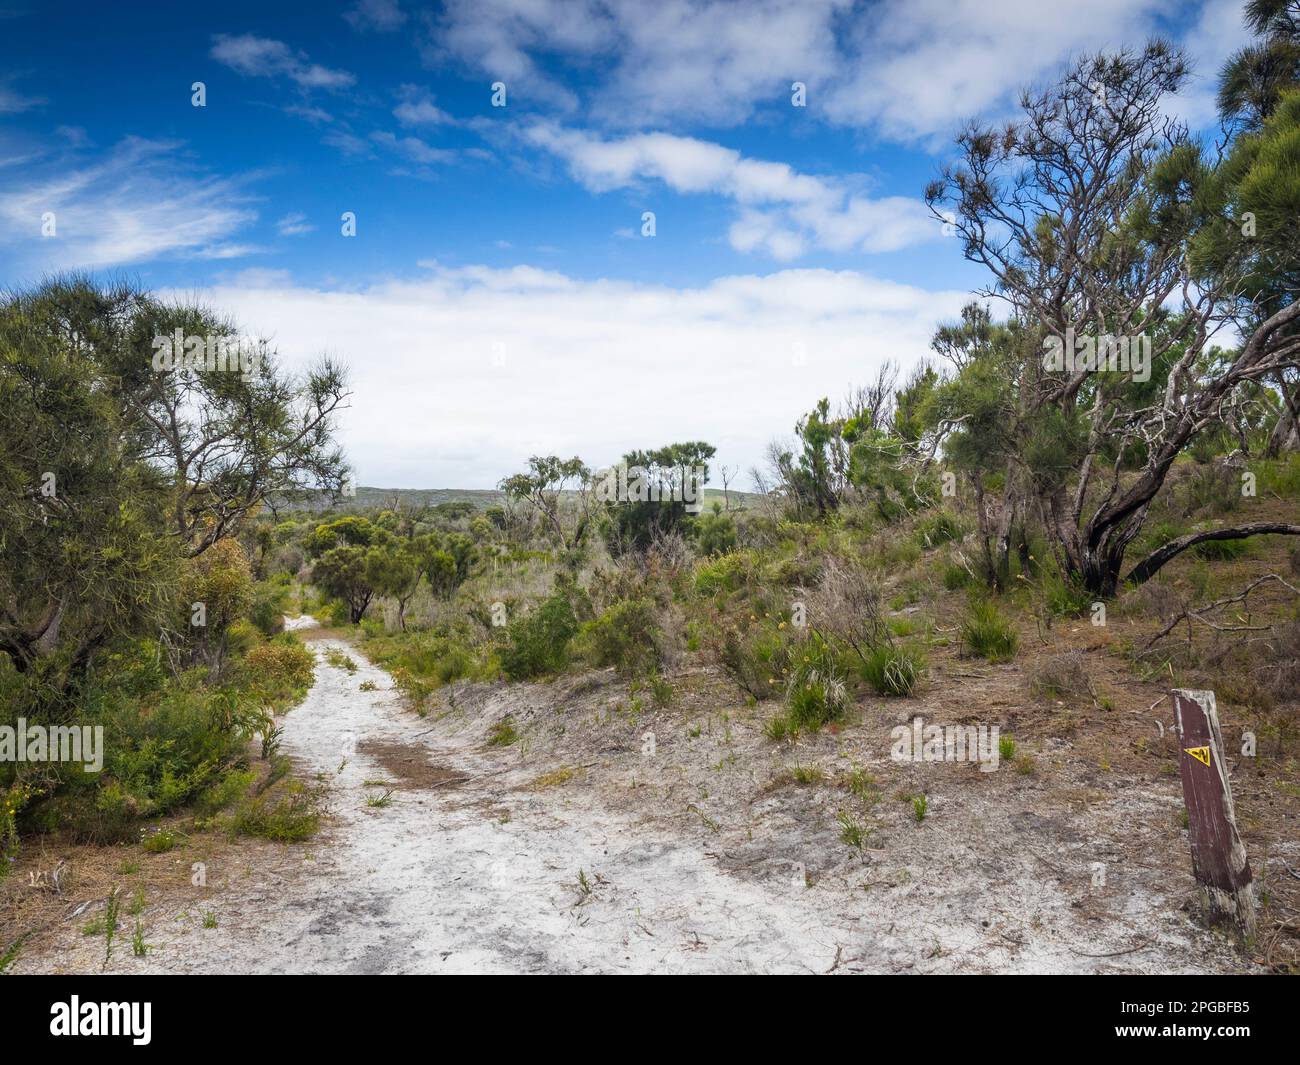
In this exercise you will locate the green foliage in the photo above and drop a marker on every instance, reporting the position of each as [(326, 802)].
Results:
[(350, 531), (715, 533), (1062, 597), (354, 575), (938, 528), (280, 670), (757, 657), (538, 642), (289, 817), (877, 468), (658, 481), (987, 633), (626, 636), (892, 670), (726, 573), (1221, 550), (816, 693)]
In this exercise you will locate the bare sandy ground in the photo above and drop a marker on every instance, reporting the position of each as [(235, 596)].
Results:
[(488, 860)]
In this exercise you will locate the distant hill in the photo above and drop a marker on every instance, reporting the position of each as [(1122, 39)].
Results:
[(368, 498)]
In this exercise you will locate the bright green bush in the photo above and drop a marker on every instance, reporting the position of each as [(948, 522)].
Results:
[(538, 643)]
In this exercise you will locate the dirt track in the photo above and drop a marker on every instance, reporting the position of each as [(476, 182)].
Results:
[(476, 866)]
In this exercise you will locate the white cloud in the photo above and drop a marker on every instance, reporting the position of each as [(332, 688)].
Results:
[(294, 224), (461, 374), (261, 57), (15, 103), (141, 201), (1216, 34), (414, 149), (418, 109), (782, 212), (910, 69), (383, 16)]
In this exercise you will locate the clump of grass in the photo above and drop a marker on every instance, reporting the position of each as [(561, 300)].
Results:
[(503, 733), (807, 774), (956, 576), (1058, 675), (1063, 598), (138, 946), (368, 686), (920, 806), (987, 633), (661, 691), (778, 728), (380, 801), (1025, 764), (556, 777), (293, 817), (938, 528), (816, 694), (852, 830), (160, 842), (10, 954), (339, 660), (111, 909), (892, 670), (1006, 748), (863, 785), (1221, 550), (209, 920)]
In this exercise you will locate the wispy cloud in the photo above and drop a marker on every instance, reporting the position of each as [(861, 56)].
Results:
[(13, 102), (911, 70), (779, 210), (383, 16), (141, 201), (294, 224), (261, 57), (418, 109), (414, 149)]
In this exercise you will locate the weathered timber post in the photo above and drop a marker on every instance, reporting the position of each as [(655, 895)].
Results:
[(1218, 857)]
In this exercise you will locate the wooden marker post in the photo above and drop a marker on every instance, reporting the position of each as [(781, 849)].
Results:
[(1218, 857)]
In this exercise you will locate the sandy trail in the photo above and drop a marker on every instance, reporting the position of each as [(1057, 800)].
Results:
[(483, 875)]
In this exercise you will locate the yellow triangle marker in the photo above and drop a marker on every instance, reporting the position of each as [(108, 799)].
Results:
[(1201, 754)]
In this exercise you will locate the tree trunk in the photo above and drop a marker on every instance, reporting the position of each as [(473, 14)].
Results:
[(1149, 566)]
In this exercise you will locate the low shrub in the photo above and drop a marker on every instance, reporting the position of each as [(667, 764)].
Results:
[(538, 643), (938, 528), (756, 657), (626, 636), (281, 668)]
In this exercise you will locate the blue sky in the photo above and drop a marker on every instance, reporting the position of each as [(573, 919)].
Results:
[(499, 298)]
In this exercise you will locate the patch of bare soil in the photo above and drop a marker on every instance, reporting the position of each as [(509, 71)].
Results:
[(411, 765)]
